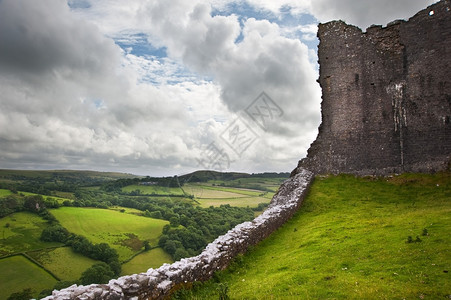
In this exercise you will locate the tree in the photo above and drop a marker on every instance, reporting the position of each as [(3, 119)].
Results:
[(180, 253), (26, 294), (147, 246), (156, 214), (174, 221), (55, 233), (98, 273)]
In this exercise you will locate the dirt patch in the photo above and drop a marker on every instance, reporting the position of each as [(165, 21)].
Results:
[(132, 242)]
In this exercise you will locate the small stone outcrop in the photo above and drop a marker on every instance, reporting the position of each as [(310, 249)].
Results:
[(386, 96), (159, 283)]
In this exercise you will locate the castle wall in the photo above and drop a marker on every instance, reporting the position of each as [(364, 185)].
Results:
[(386, 96), (159, 283)]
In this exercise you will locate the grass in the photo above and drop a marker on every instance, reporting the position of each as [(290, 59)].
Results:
[(124, 232), (153, 189), (349, 241), (31, 276), (4, 192), (149, 259), (56, 260), (239, 202), (219, 189), (266, 183), (57, 198), (20, 232), (209, 195)]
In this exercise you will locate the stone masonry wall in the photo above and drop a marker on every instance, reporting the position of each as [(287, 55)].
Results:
[(159, 283), (386, 96)]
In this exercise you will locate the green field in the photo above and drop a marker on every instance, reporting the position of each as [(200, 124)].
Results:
[(350, 241), (238, 202), (4, 192), (30, 275), (63, 262), (252, 183), (20, 232), (146, 260), (153, 189), (207, 195), (124, 232)]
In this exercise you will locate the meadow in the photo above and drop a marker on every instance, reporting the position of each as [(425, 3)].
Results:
[(122, 231), (56, 261), (29, 274), (20, 232), (353, 238), (149, 259)]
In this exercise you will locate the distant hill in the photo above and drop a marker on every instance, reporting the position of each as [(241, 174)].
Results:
[(57, 178), (205, 175)]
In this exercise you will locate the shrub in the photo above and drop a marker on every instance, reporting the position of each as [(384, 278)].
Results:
[(98, 273)]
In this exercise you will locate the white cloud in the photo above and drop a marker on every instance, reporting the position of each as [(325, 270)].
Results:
[(72, 98)]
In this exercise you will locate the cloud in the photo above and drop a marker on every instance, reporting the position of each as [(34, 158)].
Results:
[(364, 13), (71, 98), (80, 91), (264, 60)]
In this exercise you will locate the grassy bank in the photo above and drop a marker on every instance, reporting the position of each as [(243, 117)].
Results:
[(354, 238), (123, 232)]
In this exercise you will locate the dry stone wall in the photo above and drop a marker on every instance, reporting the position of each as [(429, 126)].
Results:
[(159, 283), (386, 96)]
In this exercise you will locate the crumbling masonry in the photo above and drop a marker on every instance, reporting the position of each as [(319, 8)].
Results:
[(386, 96)]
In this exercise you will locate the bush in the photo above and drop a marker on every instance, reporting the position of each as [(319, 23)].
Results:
[(98, 273), (55, 233), (23, 295)]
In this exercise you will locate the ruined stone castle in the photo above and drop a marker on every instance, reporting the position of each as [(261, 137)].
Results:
[(386, 109), (386, 96)]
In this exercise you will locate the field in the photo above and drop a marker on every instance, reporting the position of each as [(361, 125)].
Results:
[(350, 240), (149, 259), (24, 257), (124, 232), (30, 275), (63, 262), (20, 232), (4, 192), (207, 194)]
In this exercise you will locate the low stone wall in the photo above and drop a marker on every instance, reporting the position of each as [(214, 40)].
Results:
[(158, 283)]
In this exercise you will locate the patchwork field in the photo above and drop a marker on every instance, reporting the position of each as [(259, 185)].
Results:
[(29, 275), (212, 195), (149, 259), (124, 232)]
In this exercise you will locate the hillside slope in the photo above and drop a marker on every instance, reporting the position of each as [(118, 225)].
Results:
[(351, 240)]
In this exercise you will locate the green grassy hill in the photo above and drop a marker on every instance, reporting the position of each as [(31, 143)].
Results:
[(354, 238), (123, 232)]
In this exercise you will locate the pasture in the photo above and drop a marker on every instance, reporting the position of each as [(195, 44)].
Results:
[(4, 192), (123, 232), (212, 195), (142, 262), (63, 262), (18, 273), (20, 232)]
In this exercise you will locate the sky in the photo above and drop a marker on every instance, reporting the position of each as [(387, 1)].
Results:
[(166, 87)]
